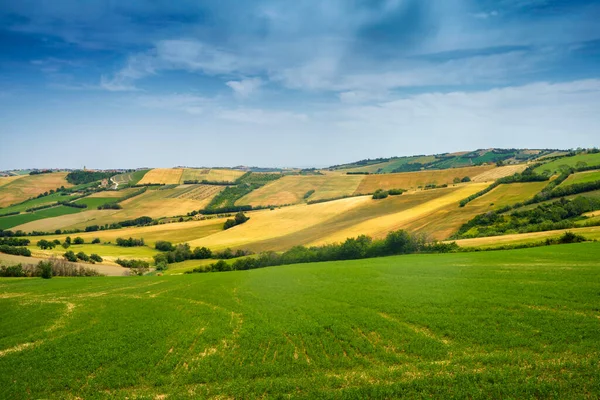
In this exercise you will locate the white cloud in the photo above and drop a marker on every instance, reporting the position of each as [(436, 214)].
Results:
[(188, 103), (245, 87), (262, 116)]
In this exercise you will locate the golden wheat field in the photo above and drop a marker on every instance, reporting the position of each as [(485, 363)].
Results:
[(412, 180), (292, 189), (29, 186), (592, 233), (500, 172), (5, 180), (168, 176), (213, 175)]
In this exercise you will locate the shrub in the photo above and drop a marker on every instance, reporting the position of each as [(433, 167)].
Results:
[(133, 263), (466, 179), (239, 219), (96, 258), (70, 256), (82, 256), (395, 192), (66, 245), (44, 244), (131, 242), (380, 194), (163, 245), (78, 240), (45, 269), (96, 241)]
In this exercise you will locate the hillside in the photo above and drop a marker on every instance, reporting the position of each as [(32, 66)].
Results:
[(415, 326)]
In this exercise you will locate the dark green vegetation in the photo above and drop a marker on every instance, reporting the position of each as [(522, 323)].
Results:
[(511, 324), (19, 219), (225, 200), (82, 177), (46, 269), (260, 179), (239, 219), (561, 214)]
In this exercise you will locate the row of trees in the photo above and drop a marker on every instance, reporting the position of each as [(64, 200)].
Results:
[(81, 256), (397, 242), (47, 269), (239, 219), (131, 242)]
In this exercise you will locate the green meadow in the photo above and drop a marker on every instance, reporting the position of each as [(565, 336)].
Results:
[(19, 219), (507, 324)]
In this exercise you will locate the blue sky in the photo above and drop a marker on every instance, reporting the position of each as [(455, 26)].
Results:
[(111, 84)]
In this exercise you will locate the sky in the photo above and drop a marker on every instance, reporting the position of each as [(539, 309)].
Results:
[(126, 84)]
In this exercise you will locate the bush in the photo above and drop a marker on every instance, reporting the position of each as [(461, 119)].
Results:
[(96, 241), (78, 240), (133, 263), (131, 242), (396, 192), (44, 244), (162, 266), (66, 245), (14, 242), (82, 256), (465, 179), (239, 219), (45, 269), (163, 245), (380, 194), (96, 258), (70, 256)]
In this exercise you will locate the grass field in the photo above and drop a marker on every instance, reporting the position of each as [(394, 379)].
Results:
[(5, 180), (412, 180), (582, 177), (515, 324), (214, 175), (94, 202), (30, 186), (168, 176), (553, 166), (130, 178), (21, 207), (25, 218), (291, 189), (113, 194)]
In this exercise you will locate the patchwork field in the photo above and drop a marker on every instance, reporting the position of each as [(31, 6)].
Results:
[(514, 324), (168, 176), (292, 189), (113, 194), (201, 193), (130, 178), (29, 186), (50, 199), (500, 172), (582, 177), (413, 180), (54, 212), (214, 175), (153, 203)]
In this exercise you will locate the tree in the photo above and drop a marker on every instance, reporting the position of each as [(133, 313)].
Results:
[(70, 256), (45, 269), (466, 179), (96, 258), (163, 245), (240, 218), (65, 245), (456, 180), (96, 241), (78, 240), (68, 239), (44, 244)]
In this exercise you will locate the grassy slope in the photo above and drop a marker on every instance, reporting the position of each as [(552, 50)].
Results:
[(131, 178), (30, 186), (553, 166), (523, 238), (582, 177), (53, 198), (168, 176), (518, 324), (225, 175), (13, 221)]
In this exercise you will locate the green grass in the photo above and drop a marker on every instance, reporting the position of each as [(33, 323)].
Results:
[(93, 202), (582, 177), (15, 220), (130, 178), (512, 324), (53, 198), (554, 166)]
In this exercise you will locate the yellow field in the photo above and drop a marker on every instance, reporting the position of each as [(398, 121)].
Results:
[(29, 186), (5, 180), (267, 224), (521, 238), (505, 195), (214, 175), (412, 180), (291, 189), (153, 203), (202, 193), (178, 232), (168, 176), (498, 173)]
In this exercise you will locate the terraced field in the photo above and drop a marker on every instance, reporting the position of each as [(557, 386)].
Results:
[(202, 193), (167, 176), (413, 180), (30, 186), (513, 324), (213, 175), (292, 189)]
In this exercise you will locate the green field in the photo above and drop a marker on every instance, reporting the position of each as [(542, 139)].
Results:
[(94, 202), (15, 220), (512, 324), (554, 166), (130, 178), (53, 198), (582, 177)]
